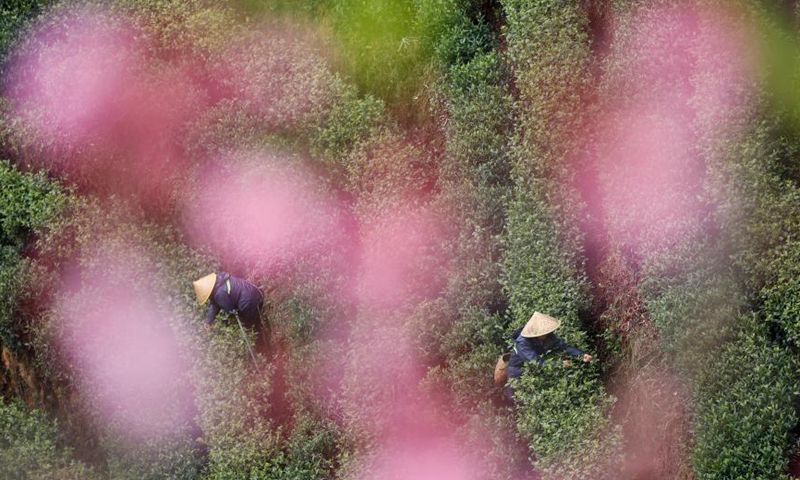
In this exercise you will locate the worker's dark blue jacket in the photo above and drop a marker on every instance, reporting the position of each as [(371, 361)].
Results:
[(234, 295), (533, 350)]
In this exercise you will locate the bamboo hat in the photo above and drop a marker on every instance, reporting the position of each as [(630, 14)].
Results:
[(204, 286), (540, 324)]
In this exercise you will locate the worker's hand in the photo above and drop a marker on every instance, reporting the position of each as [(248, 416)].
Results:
[(587, 358), (208, 326), (567, 363)]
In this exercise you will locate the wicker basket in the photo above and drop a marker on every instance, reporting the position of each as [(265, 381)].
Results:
[(500, 375)]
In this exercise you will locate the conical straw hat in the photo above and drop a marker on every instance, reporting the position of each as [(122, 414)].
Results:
[(540, 324), (204, 286)]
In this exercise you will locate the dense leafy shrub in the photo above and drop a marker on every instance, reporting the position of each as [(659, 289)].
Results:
[(473, 182), (391, 177), (392, 48), (310, 324), (479, 122), (350, 120), (676, 299), (461, 332), (14, 15), (490, 436), (692, 266), (543, 266), (747, 408), (469, 348), (563, 416), (386, 173), (312, 446), (31, 447), (28, 203), (751, 180), (550, 61), (471, 195), (757, 227), (183, 32), (370, 404), (464, 33), (539, 274), (761, 228), (91, 252), (649, 170), (781, 296)]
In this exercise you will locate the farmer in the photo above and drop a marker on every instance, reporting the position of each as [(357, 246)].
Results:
[(533, 342), (232, 295)]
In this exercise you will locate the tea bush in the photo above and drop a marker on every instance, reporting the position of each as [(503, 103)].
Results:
[(473, 179), (31, 447), (680, 267), (562, 413), (469, 348), (182, 32), (15, 15), (350, 120), (755, 189), (761, 228), (234, 432), (781, 295), (757, 228), (543, 260), (460, 127), (28, 203), (463, 328), (539, 274), (700, 287), (490, 435), (692, 283), (390, 176), (72, 257), (310, 324), (747, 408), (478, 107), (550, 60), (462, 31)]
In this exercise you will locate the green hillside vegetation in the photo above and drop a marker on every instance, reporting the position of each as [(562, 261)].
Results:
[(621, 166)]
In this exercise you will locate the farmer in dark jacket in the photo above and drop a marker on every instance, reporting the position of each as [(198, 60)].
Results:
[(533, 343), (232, 295)]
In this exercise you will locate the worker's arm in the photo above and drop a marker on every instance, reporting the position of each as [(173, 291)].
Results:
[(213, 310), (527, 353), (571, 351)]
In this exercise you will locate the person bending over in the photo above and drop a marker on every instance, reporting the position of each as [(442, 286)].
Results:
[(231, 295), (533, 343)]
